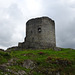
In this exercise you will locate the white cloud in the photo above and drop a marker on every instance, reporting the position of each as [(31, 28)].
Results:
[(6, 3), (11, 22)]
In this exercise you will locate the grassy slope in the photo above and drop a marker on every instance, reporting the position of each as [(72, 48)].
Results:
[(45, 59)]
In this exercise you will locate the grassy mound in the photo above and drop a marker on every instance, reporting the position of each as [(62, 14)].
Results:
[(47, 62)]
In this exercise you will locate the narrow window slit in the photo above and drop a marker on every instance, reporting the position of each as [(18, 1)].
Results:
[(39, 30)]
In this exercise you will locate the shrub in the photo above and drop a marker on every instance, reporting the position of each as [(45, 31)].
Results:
[(49, 58), (41, 53)]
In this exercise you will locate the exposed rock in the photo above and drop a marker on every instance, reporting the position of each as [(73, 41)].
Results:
[(57, 73), (28, 64), (21, 72), (12, 62), (57, 49), (3, 68)]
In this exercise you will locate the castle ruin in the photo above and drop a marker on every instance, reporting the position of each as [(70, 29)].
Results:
[(40, 34)]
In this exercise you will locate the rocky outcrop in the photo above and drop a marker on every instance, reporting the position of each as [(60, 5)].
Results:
[(33, 66), (28, 64)]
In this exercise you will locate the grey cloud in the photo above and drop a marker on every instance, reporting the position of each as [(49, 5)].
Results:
[(67, 36), (15, 13), (64, 17), (8, 25)]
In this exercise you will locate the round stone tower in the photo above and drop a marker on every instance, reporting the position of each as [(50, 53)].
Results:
[(40, 34)]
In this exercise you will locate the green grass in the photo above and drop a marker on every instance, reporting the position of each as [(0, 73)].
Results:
[(34, 54), (4, 57), (44, 59)]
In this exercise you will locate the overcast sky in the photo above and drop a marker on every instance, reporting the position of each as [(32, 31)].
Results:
[(15, 13)]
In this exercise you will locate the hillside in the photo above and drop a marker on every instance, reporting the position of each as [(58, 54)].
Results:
[(37, 62)]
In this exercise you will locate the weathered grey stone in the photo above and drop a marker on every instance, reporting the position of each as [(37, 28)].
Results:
[(57, 49), (6, 74), (40, 34), (28, 64), (58, 73), (21, 72)]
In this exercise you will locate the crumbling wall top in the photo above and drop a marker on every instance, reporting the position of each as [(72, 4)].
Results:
[(39, 19)]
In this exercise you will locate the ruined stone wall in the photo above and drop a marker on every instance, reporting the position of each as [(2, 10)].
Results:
[(40, 33)]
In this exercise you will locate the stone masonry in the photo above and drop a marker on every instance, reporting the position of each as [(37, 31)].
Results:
[(40, 34)]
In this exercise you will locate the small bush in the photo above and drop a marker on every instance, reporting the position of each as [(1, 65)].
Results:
[(63, 62), (41, 53), (49, 58)]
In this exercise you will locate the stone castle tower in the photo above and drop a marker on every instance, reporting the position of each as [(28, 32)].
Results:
[(40, 34)]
